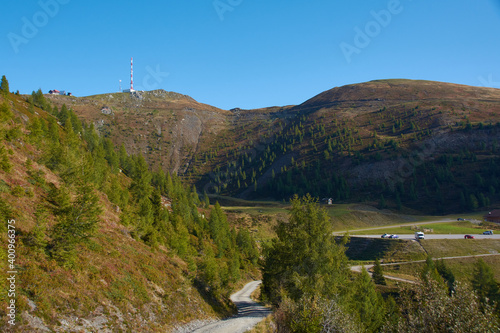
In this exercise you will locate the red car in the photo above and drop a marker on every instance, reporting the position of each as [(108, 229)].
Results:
[(469, 237)]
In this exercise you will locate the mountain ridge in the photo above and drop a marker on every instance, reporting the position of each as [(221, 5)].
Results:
[(349, 125)]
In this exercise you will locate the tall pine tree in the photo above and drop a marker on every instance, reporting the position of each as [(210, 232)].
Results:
[(4, 86), (378, 274), (305, 258)]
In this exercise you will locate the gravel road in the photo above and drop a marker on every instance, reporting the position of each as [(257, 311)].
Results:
[(339, 233), (249, 314), (359, 268)]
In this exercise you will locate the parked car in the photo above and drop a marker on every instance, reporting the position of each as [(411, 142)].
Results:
[(385, 236), (489, 232), (393, 236), (469, 237)]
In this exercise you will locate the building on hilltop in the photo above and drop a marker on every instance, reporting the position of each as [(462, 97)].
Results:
[(57, 92)]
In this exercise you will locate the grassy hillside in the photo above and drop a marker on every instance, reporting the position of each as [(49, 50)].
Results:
[(409, 145), (402, 144), (102, 242)]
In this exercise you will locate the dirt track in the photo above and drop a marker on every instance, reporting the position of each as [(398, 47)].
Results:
[(249, 314)]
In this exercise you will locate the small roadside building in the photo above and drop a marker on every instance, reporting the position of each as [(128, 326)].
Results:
[(493, 216)]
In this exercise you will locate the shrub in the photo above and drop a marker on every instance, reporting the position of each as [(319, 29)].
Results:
[(18, 191), (5, 164), (428, 308)]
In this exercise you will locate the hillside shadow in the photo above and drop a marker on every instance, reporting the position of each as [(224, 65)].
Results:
[(367, 249), (225, 309)]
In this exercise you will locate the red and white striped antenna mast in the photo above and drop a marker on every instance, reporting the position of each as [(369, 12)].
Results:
[(132, 74)]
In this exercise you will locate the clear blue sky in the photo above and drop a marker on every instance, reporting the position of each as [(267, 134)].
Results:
[(246, 53)]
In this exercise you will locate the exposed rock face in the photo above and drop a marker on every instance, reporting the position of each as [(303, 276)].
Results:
[(107, 110), (166, 127)]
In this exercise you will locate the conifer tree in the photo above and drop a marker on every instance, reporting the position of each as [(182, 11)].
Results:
[(5, 163), (59, 200), (123, 157), (77, 124), (5, 112), (247, 246), (169, 185), (53, 130), (36, 130), (304, 258), (194, 196), (446, 274), (160, 181), (382, 203), (209, 269), (110, 155), (430, 272), (36, 238), (63, 114), (367, 304), (4, 86), (484, 283), (473, 202), (77, 223), (141, 186), (206, 199), (71, 138), (181, 242), (378, 274), (219, 229)]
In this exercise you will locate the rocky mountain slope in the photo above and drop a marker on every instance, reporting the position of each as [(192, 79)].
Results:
[(166, 127)]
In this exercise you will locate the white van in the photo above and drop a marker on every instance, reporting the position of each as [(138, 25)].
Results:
[(419, 235)]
